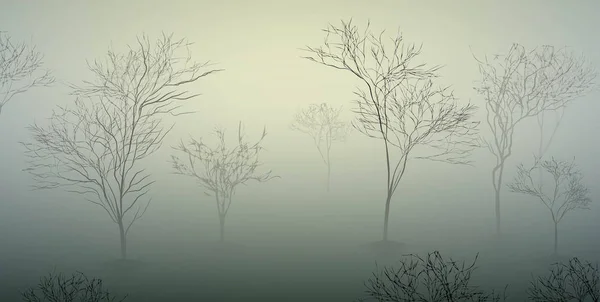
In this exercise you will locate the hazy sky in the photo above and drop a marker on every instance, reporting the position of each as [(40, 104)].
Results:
[(265, 81)]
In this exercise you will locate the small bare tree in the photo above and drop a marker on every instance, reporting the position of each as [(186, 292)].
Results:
[(20, 66), (322, 123), (430, 279), (221, 169), (575, 281), (95, 147), (398, 102), (523, 84), (567, 194)]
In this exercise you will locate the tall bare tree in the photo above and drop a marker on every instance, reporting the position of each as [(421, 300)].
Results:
[(20, 69), (522, 84), (398, 102), (95, 147), (567, 194), (221, 169), (323, 124)]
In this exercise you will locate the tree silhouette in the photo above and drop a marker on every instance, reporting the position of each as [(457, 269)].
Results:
[(322, 123), (95, 147), (398, 102), (20, 69), (221, 169), (567, 194), (522, 84)]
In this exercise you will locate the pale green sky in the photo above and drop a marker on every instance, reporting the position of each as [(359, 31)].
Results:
[(265, 82)]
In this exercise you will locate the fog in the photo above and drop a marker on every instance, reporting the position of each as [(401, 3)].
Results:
[(291, 239)]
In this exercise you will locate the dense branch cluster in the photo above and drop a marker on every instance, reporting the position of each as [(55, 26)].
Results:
[(322, 123), (20, 66), (572, 281), (431, 278), (398, 101), (523, 84), (77, 288), (221, 169)]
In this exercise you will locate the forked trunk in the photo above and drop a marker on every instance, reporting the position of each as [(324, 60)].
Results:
[(123, 240)]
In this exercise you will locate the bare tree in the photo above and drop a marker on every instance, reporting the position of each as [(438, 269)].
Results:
[(567, 194), (322, 123), (430, 279), (397, 101), (221, 169), (20, 66), (523, 84), (575, 281), (77, 288), (95, 147)]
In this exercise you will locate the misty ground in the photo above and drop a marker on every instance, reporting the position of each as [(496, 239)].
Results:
[(327, 268)]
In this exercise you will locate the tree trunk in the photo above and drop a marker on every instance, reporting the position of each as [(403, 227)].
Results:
[(555, 238), (497, 203), (497, 180), (123, 241), (222, 227), (328, 176), (387, 217)]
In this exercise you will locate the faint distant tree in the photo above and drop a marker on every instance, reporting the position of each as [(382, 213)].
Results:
[(567, 194), (523, 84), (221, 169), (431, 279), (20, 66), (398, 102), (95, 147), (323, 124), (77, 288), (575, 281)]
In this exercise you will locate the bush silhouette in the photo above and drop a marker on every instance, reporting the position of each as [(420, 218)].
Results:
[(76, 288)]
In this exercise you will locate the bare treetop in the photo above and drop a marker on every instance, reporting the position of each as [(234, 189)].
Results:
[(321, 121), (149, 76), (568, 192), (221, 169), (19, 66), (399, 102), (524, 83), (372, 58)]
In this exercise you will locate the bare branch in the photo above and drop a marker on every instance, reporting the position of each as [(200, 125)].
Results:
[(95, 147), (567, 194), (221, 169), (20, 69), (427, 279), (575, 281), (397, 100), (322, 123), (522, 84)]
